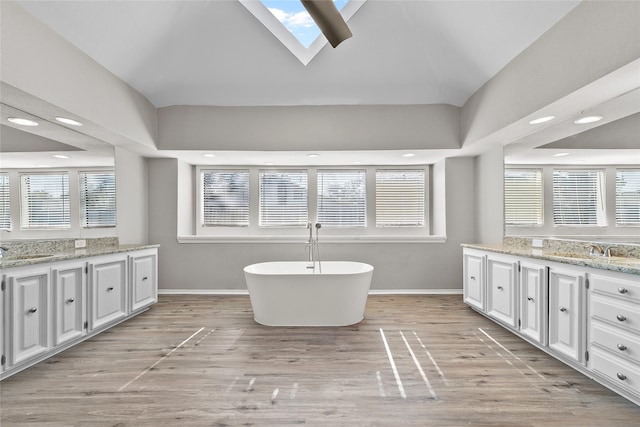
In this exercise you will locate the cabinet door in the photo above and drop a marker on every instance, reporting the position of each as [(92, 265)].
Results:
[(502, 277), (533, 301), (108, 290), (143, 279), (473, 276), (28, 308), (68, 302), (566, 314)]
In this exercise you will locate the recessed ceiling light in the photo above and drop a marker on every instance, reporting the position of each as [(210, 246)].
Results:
[(60, 156), (209, 155), (22, 122), (67, 121), (409, 155), (587, 119), (313, 155), (542, 120), (357, 163), (269, 163), (560, 154)]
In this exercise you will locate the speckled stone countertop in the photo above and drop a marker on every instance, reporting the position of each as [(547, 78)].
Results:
[(625, 259), (24, 253)]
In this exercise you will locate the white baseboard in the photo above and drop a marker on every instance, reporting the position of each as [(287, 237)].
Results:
[(371, 292)]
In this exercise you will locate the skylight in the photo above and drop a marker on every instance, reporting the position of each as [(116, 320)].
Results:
[(296, 19), (290, 22)]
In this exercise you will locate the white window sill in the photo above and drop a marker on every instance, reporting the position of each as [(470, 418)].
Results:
[(323, 239)]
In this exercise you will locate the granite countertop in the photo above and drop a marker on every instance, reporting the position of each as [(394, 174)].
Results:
[(622, 264), (21, 259)]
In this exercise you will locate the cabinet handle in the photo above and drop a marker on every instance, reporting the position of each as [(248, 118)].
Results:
[(621, 347), (33, 309), (530, 299), (562, 309), (472, 277), (623, 290), (110, 288), (501, 288), (621, 377), (621, 318)]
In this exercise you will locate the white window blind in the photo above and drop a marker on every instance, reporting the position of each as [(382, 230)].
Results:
[(225, 198), (5, 202), (97, 199), (400, 198), (44, 201), (523, 197), (578, 197), (283, 199), (342, 198), (628, 196)]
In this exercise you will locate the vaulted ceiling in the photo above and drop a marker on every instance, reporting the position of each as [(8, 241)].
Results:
[(217, 53)]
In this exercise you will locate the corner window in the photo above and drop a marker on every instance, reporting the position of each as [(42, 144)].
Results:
[(523, 197), (400, 198), (628, 197), (578, 198), (342, 198), (97, 199), (225, 198), (44, 201)]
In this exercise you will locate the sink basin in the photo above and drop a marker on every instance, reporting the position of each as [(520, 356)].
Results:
[(25, 257), (576, 256)]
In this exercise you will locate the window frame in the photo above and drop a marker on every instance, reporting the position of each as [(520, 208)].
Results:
[(82, 202), (25, 223), (540, 174), (257, 233), (617, 204)]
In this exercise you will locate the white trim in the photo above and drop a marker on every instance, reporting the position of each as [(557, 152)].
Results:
[(236, 292), (302, 240)]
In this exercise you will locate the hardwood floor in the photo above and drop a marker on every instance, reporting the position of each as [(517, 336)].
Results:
[(203, 361)]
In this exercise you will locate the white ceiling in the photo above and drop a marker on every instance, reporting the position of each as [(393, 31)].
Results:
[(218, 53)]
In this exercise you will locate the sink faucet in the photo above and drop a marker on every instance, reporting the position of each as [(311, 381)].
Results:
[(596, 250), (607, 252), (3, 251)]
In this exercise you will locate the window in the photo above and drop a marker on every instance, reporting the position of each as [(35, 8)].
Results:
[(225, 198), (628, 197), (45, 201), (97, 199), (400, 198), (578, 197), (523, 198), (283, 199), (342, 198), (5, 202)]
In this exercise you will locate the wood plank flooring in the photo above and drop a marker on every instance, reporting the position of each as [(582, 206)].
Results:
[(203, 361)]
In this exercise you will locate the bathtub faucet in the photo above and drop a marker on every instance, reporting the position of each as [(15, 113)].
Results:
[(313, 247)]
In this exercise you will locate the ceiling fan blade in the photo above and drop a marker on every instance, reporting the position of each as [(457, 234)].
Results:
[(328, 18)]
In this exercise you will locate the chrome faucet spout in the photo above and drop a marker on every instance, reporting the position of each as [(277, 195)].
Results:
[(3, 251), (595, 250)]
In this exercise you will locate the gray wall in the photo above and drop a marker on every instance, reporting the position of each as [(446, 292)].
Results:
[(489, 191), (334, 127), (218, 266), (131, 197)]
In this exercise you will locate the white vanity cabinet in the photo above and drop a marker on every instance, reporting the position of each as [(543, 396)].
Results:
[(614, 329), (533, 301), (567, 292), (49, 307), (502, 288), (107, 290), (69, 306), (143, 279), (27, 309), (473, 275)]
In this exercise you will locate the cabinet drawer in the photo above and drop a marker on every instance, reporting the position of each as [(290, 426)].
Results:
[(616, 341), (616, 370), (625, 316), (619, 286)]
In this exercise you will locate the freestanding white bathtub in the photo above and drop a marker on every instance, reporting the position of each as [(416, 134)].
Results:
[(290, 294)]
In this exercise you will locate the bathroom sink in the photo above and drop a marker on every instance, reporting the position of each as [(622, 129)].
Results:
[(26, 257), (576, 256)]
